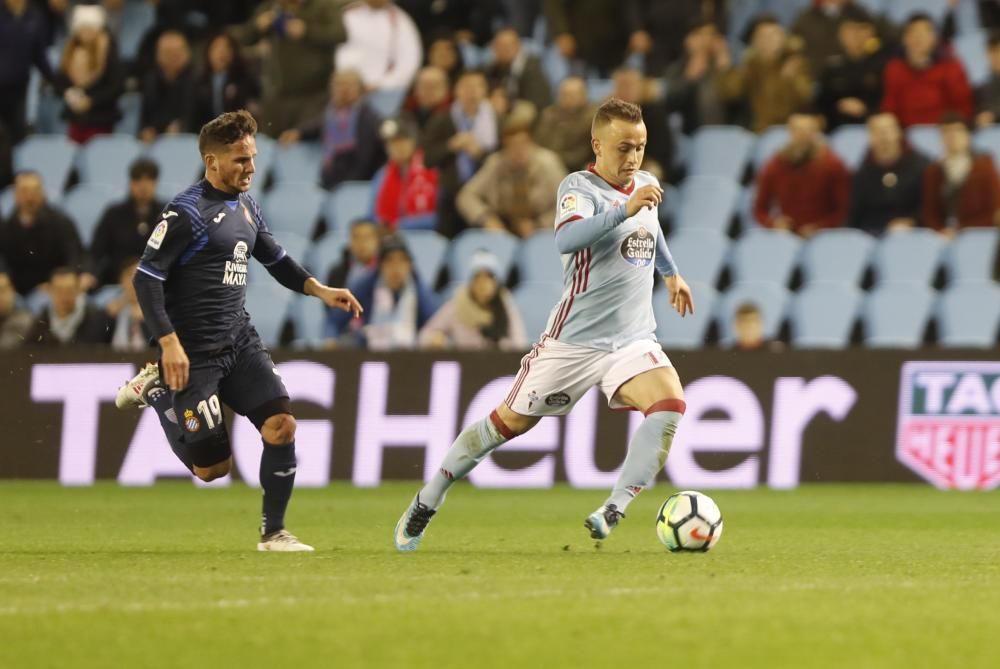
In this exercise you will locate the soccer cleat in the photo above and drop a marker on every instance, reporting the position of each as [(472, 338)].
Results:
[(411, 525), (601, 522), (283, 541), (132, 395)]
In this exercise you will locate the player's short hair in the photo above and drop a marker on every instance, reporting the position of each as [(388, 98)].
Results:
[(225, 129), (615, 109)]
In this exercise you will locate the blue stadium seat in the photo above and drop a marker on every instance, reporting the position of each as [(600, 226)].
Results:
[(908, 256), (720, 151), (106, 159), (822, 315), (707, 203), (294, 207), (309, 318), (296, 246), (969, 315), (325, 254), (556, 67), (768, 143), (838, 254), (670, 203), (350, 201), (850, 143), (987, 140), (178, 158), (7, 201), (136, 20), (85, 204), (744, 210), (971, 50), (167, 190), (770, 298), (700, 254), (49, 155), (130, 105), (926, 139), (501, 244), (387, 101), (765, 255), (535, 300), (599, 89), (874, 6), (428, 249), (105, 295), (898, 11), (297, 162), (267, 149), (969, 257), (687, 332), (539, 259), (267, 303), (896, 315)]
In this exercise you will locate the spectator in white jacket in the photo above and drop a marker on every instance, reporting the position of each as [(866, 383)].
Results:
[(383, 44)]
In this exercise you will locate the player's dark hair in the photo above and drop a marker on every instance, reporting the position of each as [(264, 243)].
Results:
[(616, 109), (225, 129), (143, 168)]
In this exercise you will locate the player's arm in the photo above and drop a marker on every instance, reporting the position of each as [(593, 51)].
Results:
[(577, 226), (680, 294)]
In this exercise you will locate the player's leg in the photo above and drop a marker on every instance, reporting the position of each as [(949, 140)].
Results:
[(146, 389)]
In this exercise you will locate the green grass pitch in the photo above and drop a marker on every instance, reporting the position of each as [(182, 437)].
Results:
[(824, 576)]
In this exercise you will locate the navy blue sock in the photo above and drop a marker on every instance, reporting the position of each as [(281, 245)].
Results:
[(161, 400), (277, 478)]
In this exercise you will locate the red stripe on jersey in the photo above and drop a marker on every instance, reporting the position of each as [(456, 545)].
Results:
[(575, 217), (576, 273), (525, 367), (569, 306), (555, 321), (586, 277)]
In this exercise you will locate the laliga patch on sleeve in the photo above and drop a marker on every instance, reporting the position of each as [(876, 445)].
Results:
[(567, 205), (156, 238)]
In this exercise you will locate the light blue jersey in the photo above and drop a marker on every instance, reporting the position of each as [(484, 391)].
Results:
[(609, 262)]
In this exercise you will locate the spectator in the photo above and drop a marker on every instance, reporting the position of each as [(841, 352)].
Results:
[(748, 330), (360, 257), (383, 44), (89, 76), (23, 41), (515, 190), (927, 80), (457, 142), (128, 329), (15, 323), (444, 53), (512, 112), (988, 96), (406, 194), (773, 79), (850, 88), (168, 90), (691, 89), (630, 85), (481, 315), (348, 129), (564, 127), (298, 37), (962, 190), (470, 21), (396, 305), (37, 238), (225, 83), (69, 319), (591, 31), (518, 72), (125, 226), (885, 191), (430, 95), (805, 187), (818, 28), (668, 22)]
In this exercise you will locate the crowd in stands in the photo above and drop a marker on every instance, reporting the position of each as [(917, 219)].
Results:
[(466, 116)]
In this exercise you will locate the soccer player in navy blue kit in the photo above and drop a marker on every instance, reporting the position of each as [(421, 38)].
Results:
[(191, 285)]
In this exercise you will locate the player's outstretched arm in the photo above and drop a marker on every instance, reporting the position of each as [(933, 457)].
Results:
[(680, 294), (336, 298)]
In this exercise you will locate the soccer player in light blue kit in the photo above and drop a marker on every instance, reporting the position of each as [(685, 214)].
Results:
[(601, 333)]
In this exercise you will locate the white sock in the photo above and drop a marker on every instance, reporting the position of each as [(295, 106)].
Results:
[(469, 449), (647, 452)]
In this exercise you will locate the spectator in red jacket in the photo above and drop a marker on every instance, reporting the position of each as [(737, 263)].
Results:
[(927, 80), (805, 187), (962, 190)]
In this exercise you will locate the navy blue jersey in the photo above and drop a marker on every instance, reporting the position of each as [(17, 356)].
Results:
[(200, 249)]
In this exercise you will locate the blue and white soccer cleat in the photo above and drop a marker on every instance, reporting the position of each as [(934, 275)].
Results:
[(132, 394), (411, 525), (601, 522)]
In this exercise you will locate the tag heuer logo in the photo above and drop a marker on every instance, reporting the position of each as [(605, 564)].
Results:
[(949, 423)]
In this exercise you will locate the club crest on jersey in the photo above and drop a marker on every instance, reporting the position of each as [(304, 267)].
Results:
[(638, 248), (156, 238), (567, 205), (236, 269), (191, 422)]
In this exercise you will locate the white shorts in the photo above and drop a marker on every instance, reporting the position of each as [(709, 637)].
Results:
[(555, 375)]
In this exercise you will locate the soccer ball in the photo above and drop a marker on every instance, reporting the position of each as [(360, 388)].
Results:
[(689, 521)]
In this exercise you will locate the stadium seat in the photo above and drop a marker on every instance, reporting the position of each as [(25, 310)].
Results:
[(908, 256), (765, 255), (309, 318), (768, 143), (720, 151), (501, 244), (599, 89), (296, 245), (837, 254), (896, 315), (106, 159), (770, 298), (850, 143), (325, 254), (744, 210), (926, 139), (897, 11), (428, 250), (687, 332), (178, 158), (873, 6), (85, 204), (969, 315), (267, 303), (969, 257), (538, 258), (387, 101), (294, 207), (555, 65), (136, 20), (130, 105), (49, 155), (267, 148), (535, 300), (670, 203), (7, 202), (167, 190), (700, 254), (707, 203), (971, 50), (297, 162), (350, 201), (823, 314), (105, 295), (987, 140)]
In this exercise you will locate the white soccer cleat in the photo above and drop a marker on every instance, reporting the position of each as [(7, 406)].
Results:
[(283, 541), (601, 522), (132, 395), (411, 525)]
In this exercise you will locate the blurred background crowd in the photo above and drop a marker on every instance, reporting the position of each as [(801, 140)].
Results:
[(830, 165)]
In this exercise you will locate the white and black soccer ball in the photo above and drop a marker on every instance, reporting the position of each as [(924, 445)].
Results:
[(689, 521)]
